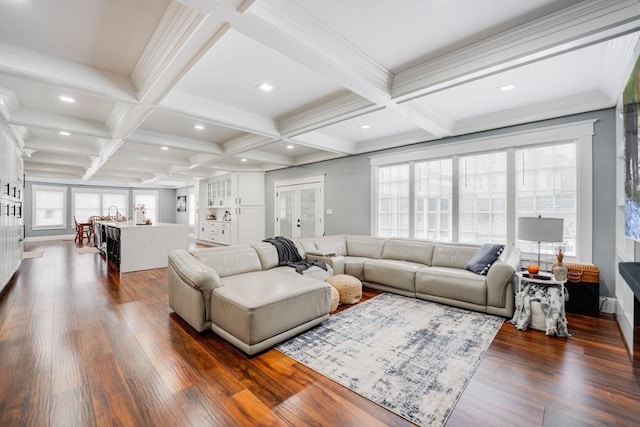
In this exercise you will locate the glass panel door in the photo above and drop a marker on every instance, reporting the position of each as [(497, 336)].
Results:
[(300, 210), (307, 217), (284, 220)]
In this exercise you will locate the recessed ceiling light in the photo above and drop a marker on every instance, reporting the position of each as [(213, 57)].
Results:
[(164, 148), (365, 127), (265, 87), (508, 87), (198, 127), (64, 133), (68, 99), (243, 160), (290, 147)]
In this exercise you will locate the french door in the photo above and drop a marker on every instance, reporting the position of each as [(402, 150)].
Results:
[(299, 210)]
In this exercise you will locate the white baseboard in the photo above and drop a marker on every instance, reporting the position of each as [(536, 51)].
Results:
[(46, 238), (625, 325)]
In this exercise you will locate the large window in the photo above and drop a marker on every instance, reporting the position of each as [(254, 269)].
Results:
[(191, 207), (483, 198), (393, 201), (90, 202), (49, 207), (473, 191), (546, 185), (150, 201), (433, 190)]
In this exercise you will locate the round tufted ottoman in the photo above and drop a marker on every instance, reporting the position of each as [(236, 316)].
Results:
[(335, 299), (349, 288)]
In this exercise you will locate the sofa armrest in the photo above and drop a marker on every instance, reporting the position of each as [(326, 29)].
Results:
[(336, 262), (193, 272), (499, 277), (322, 253)]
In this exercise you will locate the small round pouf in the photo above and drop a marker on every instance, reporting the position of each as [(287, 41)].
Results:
[(349, 288), (335, 299)]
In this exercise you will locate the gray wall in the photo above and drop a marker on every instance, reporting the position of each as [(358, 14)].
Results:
[(348, 188), (183, 217), (166, 207)]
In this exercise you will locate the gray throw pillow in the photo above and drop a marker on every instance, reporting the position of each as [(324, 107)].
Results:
[(484, 258)]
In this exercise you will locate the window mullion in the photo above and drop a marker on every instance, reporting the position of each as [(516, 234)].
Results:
[(455, 209), (511, 196), (412, 204)]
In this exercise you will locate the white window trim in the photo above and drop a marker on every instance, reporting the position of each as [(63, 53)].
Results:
[(580, 132), (34, 189), (75, 190)]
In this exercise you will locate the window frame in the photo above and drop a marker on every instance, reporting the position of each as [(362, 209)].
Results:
[(76, 190), (60, 189), (155, 193), (580, 132)]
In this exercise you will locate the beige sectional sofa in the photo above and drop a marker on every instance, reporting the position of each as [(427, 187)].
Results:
[(242, 294)]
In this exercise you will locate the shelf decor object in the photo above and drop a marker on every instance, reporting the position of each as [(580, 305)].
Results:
[(539, 229)]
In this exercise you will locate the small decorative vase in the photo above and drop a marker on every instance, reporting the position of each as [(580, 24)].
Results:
[(560, 272), (139, 216)]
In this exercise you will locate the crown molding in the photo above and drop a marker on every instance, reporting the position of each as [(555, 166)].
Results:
[(565, 106), (621, 57), (317, 157), (272, 158), (177, 25), (572, 28), (343, 106)]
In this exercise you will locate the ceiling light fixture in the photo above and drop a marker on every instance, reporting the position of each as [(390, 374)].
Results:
[(265, 87), (508, 87), (290, 147), (243, 160), (365, 127), (198, 127), (64, 133), (164, 148), (68, 99)]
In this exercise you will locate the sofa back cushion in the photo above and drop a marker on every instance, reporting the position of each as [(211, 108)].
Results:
[(335, 244), (229, 260), (268, 255), (406, 250), (304, 245), (453, 256), (365, 246)]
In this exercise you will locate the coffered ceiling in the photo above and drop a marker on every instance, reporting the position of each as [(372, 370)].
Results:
[(166, 91)]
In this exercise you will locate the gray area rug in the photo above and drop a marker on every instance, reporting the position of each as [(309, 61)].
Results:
[(410, 356)]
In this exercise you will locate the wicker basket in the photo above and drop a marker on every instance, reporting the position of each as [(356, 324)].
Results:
[(587, 273), (349, 288)]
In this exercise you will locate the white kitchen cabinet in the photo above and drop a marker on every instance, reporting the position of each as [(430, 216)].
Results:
[(203, 230), (224, 233), (11, 205), (240, 188), (247, 225)]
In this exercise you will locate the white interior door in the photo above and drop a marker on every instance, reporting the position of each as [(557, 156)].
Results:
[(299, 210)]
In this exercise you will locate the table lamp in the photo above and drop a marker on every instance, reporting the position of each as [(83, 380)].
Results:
[(538, 229)]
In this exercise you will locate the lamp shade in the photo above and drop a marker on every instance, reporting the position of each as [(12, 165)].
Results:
[(538, 229)]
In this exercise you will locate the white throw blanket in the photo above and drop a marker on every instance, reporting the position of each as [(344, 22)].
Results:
[(551, 304)]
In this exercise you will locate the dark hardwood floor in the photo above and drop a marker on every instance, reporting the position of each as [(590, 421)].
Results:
[(83, 345)]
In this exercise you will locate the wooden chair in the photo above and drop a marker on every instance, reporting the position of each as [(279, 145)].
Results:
[(82, 230)]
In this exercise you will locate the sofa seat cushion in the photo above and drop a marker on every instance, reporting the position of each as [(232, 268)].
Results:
[(452, 283), (395, 274), (312, 272), (254, 307)]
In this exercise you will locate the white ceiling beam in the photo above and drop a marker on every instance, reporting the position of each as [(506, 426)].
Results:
[(30, 166), (245, 143), (57, 122), (572, 28), (261, 156), (398, 140), (125, 174), (108, 149), (76, 160), (57, 146), (340, 107), (172, 141), (324, 142), (212, 112), (317, 157), (620, 59), (59, 72)]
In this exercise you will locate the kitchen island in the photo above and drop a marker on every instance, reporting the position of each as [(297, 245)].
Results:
[(134, 247)]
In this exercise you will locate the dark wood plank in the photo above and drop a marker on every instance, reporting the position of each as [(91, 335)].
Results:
[(82, 344)]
